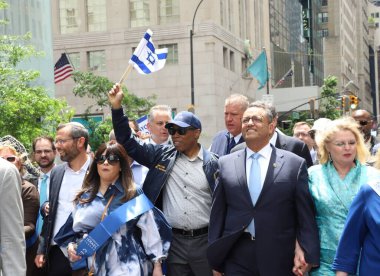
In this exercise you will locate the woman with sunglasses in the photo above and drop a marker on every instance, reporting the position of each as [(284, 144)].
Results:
[(335, 182), (31, 204), (140, 244)]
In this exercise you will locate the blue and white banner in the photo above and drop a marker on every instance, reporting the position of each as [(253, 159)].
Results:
[(96, 238), (146, 58), (142, 122)]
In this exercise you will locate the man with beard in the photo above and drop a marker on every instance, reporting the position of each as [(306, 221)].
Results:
[(44, 153), (65, 181)]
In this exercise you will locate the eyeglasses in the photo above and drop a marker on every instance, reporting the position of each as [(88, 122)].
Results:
[(363, 123), (180, 130), (62, 141), (10, 158), (301, 134), (111, 159), (255, 120), (312, 133), (342, 144), (39, 152)]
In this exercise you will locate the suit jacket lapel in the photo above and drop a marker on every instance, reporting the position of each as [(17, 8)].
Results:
[(55, 187), (275, 164), (280, 142), (239, 163)]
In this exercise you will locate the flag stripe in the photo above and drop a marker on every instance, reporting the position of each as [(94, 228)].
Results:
[(64, 68), (162, 56), (140, 64), (63, 72)]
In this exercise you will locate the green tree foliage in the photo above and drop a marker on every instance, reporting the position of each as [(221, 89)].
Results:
[(26, 110), (328, 103), (96, 87)]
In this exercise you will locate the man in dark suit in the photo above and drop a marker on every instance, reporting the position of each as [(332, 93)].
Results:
[(281, 141), (261, 206), (65, 182), (225, 140)]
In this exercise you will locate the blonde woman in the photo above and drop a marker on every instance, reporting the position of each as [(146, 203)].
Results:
[(335, 182)]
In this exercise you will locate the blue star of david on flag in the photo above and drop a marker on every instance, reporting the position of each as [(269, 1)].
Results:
[(146, 58)]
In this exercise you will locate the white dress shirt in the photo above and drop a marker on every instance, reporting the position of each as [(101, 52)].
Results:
[(265, 154)]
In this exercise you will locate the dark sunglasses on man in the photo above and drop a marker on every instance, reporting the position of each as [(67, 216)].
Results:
[(111, 159), (180, 130), (363, 123)]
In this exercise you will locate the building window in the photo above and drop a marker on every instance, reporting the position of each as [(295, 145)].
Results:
[(169, 11), (96, 15), (225, 57), (139, 13), (324, 3), (96, 61), (323, 33), (323, 17), (68, 16), (75, 60), (172, 53), (232, 61)]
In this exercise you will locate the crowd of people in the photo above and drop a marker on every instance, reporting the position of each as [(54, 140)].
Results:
[(257, 202)]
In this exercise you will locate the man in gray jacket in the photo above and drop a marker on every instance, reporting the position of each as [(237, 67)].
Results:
[(12, 238)]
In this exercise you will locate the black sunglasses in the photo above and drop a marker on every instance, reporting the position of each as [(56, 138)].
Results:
[(363, 123), (180, 130), (10, 158), (111, 159)]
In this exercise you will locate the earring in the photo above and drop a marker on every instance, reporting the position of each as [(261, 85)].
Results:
[(330, 159)]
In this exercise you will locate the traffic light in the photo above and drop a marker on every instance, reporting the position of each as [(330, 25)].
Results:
[(354, 102), (345, 103)]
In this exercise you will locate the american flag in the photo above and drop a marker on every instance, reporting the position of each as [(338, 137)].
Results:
[(288, 74), (62, 69)]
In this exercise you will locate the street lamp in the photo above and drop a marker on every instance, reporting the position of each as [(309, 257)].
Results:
[(191, 56)]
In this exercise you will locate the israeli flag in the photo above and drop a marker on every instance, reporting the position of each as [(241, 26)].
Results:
[(146, 58)]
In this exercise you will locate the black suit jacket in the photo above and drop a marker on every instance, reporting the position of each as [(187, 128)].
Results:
[(56, 178), (287, 143), (283, 213)]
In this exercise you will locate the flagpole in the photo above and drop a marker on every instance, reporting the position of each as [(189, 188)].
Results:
[(266, 57), (68, 57), (126, 73)]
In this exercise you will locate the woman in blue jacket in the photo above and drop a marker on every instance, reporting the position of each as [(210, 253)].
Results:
[(361, 234)]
